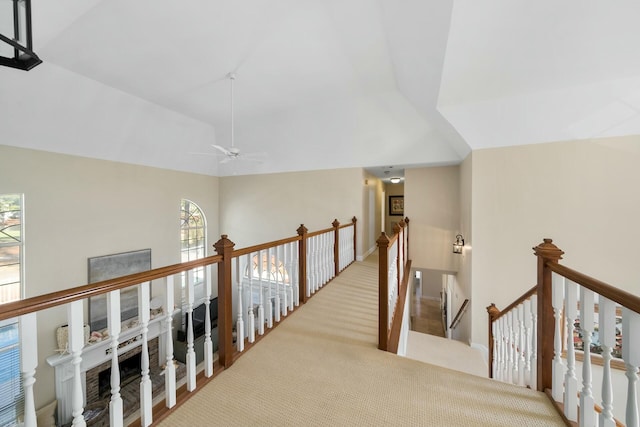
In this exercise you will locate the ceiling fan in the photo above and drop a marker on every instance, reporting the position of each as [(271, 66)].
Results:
[(232, 153)]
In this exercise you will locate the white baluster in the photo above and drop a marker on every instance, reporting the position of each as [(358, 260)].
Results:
[(252, 317), (494, 363), (75, 317), (309, 279), (295, 272), (276, 286), (146, 399), (570, 380), (116, 413), (240, 320), (526, 313), (513, 344), (503, 348), (191, 354), (170, 368), (285, 297), (534, 342), (607, 336), (521, 345), (557, 294), (27, 330), (261, 293), (631, 357), (587, 410), (208, 344), (268, 291)]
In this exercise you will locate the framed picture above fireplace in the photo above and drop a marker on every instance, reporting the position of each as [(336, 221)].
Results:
[(109, 267)]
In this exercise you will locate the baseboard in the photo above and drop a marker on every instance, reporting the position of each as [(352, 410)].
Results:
[(483, 350), (366, 254)]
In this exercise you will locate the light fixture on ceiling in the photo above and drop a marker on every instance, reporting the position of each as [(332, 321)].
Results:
[(18, 39), (395, 180), (458, 244)]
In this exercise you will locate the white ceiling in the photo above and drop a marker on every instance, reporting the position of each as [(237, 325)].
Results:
[(321, 83)]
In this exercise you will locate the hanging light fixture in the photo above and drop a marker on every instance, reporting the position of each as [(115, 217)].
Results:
[(458, 244), (16, 47)]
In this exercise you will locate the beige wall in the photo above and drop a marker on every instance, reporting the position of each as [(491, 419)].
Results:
[(582, 194), (463, 278), (76, 208), (371, 225), (392, 190), (432, 204), (261, 208)]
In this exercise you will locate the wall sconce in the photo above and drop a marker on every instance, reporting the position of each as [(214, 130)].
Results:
[(458, 244)]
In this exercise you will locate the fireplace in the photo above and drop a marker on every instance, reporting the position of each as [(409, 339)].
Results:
[(99, 378)]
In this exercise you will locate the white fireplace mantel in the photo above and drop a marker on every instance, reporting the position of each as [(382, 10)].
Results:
[(93, 355)]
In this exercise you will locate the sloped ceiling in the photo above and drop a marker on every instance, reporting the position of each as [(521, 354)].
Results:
[(320, 83)]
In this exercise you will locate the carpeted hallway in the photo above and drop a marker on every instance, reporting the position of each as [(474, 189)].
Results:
[(321, 367)]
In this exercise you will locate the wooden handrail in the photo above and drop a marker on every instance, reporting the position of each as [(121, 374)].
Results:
[(496, 315), (396, 321), (54, 299), (456, 319), (623, 298), (260, 247), (319, 232)]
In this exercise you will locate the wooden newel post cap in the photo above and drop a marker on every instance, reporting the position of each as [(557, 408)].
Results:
[(548, 251), (401, 224), (335, 223), (383, 241), (223, 243), (493, 311), (406, 220), (302, 230), (354, 220)]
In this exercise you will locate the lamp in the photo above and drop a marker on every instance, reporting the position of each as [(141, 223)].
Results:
[(395, 180), (458, 244)]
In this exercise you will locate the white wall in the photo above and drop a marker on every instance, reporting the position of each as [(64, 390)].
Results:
[(76, 208), (432, 204), (463, 278), (583, 194), (261, 208)]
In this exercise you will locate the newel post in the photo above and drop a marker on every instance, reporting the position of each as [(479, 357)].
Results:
[(493, 312), (355, 239), (383, 290), (224, 247), (336, 246), (302, 257), (406, 232), (547, 253)]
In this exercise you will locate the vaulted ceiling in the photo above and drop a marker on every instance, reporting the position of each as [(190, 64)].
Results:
[(321, 83)]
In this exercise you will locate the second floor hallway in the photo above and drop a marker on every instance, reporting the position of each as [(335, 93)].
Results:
[(321, 367)]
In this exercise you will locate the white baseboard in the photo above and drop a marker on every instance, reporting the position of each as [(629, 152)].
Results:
[(366, 254)]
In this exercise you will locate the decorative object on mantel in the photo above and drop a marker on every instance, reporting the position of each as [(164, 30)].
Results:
[(62, 337)]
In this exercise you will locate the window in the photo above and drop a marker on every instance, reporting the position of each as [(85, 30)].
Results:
[(10, 247), (11, 286), (193, 238)]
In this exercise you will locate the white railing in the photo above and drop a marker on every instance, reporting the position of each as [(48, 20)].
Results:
[(267, 276), (347, 248), (392, 273), (552, 347), (320, 261)]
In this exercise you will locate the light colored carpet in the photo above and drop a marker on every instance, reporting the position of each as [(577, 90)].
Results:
[(321, 367), (447, 353)]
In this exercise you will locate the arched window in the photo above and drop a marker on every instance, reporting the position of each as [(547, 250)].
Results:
[(193, 241), (268, 270)]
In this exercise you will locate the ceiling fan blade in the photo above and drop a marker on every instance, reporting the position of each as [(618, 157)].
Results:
[(226, 160), (221, 149)]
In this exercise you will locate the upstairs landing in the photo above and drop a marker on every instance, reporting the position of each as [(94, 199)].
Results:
[(321, 367)]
